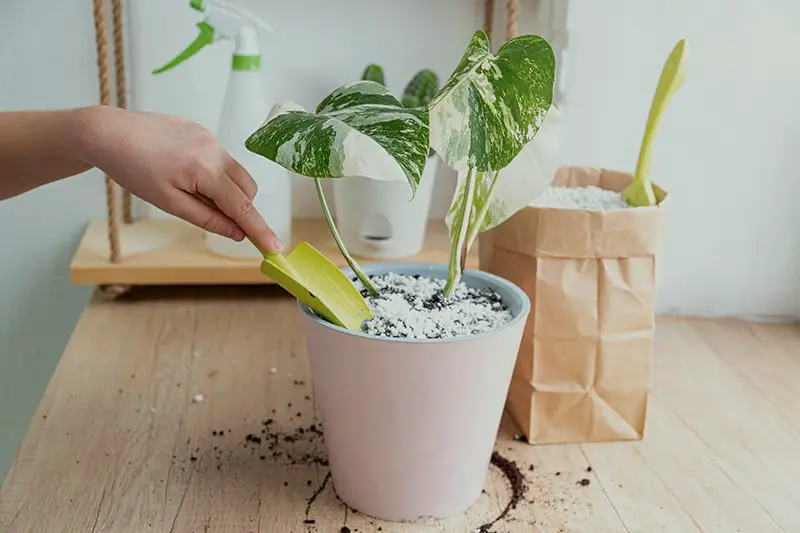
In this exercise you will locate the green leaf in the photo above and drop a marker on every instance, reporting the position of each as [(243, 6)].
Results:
[(492, 105), (360, 129), (499, 194)]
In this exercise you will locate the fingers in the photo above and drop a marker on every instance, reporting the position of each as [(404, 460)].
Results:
[(195, 211), (239, 175), (238, 206)]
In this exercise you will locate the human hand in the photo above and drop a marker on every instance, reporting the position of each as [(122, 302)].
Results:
[(173, 164)]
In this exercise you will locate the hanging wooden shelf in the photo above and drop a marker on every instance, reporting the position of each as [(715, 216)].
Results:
[(172, 252)]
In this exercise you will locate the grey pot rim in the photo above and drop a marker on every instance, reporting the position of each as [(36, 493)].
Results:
[(488, 279)]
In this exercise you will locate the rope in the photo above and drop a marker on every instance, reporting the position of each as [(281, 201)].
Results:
[(119, 74), (511, 26), (105, 99), (488, 14)]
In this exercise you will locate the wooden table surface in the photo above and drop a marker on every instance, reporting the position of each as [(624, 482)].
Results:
[(118, 445)]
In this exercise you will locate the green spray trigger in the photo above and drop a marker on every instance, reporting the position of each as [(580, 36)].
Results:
[(204, 38)]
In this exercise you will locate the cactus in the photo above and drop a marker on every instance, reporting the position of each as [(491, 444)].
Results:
[(421, 89), (374, 73)]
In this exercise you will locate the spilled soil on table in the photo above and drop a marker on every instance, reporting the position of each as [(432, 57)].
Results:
[(518, 486), (303, 444)]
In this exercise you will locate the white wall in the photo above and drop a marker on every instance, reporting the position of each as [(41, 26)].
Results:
[(53, 67), (727, 150)]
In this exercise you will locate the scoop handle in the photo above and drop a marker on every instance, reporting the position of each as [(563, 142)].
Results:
[(672, 77)]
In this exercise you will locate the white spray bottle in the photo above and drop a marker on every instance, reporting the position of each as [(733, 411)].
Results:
[(244, 109)]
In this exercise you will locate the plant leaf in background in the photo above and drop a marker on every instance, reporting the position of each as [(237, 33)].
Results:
[(492, 105), (500, 194), (360, 129)]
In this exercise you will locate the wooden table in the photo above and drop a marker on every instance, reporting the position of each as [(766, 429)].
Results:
[(118, 445)]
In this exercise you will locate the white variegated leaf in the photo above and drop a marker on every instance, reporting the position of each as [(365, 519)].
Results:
[(492, 105), (360, 129), (528, 175)]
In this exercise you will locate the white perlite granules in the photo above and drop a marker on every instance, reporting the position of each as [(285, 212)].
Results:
[(592, 198), (414, 307)]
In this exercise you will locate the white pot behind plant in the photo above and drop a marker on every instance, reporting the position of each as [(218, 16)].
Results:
[(378, 219)]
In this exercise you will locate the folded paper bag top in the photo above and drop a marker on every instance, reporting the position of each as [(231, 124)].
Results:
[(576, 233), (583, 369)]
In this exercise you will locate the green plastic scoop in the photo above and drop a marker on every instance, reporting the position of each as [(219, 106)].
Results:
[(316, 281), (640, 192)]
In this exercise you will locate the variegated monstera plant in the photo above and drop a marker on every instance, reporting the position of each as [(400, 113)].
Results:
[(492, 121)]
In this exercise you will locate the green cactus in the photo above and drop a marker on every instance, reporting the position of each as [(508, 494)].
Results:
[(421, 89), (419, 92), (374, 73)]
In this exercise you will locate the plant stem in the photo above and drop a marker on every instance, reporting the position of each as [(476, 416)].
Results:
[(362, 277), (454, 267), (475, 228)]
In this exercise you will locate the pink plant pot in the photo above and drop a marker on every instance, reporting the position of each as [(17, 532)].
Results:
[(410, 425)]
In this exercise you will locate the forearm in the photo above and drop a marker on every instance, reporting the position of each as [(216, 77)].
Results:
[(40, 147)]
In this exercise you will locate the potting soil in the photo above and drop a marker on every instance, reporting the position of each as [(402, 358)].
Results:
[(515, 478), (591, 197), (414, 307)]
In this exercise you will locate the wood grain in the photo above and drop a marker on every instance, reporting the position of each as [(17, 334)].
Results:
[(111, 446), (172, 252)]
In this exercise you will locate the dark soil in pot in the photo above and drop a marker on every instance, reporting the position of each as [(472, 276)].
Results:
[(414, 307)]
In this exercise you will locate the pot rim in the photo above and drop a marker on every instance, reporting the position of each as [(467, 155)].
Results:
[(490, 279)]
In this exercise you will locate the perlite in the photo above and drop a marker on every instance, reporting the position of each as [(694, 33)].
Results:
[(591, 197), (414, 307)]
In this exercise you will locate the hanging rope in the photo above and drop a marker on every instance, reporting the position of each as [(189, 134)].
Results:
[(105, 99), (119, 73), (511, 24), (488, 15)]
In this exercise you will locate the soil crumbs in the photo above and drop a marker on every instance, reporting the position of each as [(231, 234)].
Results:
[(304, 445), (518, 488), (414, 307)]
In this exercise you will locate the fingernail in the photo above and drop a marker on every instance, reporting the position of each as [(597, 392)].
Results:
[(277, 245)]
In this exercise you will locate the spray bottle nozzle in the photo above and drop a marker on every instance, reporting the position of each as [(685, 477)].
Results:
[(204, 38), (223, 21)]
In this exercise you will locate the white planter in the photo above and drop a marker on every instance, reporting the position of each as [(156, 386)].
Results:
[(410, 425), (378, 219)]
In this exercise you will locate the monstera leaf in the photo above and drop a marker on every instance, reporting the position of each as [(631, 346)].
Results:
[(499, 194), (492, 105), (360, 129), (483, 118)]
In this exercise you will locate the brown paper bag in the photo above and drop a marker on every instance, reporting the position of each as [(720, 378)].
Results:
[(583, 369)]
